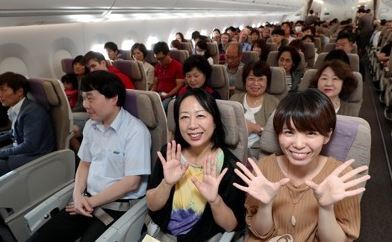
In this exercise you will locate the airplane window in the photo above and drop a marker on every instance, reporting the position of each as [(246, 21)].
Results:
[(203, 32), (127, 44), (151, 40), (99, 48), (56, 63), (172, 36), (15, 65), (188, 34)]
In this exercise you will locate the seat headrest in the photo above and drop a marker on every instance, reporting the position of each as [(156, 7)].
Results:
[(309, 53), (125, 54), (66, 65), (219, 75), (179, 55), (278, 82), (129, 68), (228, 110), (150, 57), (212, 49), (338, 147), (136, 105), (43, 92), (249, 57), (354, 61), (186, 46)]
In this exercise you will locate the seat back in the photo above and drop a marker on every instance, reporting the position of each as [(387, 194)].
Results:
[(355, 98), (125, 54), (354, 61), (147, 106), (317, 44), (179, 55), (271, 46), (50, 94), (27, 186), (212, 48), (66, 65), (150, 58), (134, 70), (249, 57), (187, 46), (309, 54), (219, 81), (331, 46), (233, 119), (350, 140)]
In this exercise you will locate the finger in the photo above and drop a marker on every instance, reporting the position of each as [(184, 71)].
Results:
[(173, 150), (245, 170), (311, 184), (168, 151), (163, 161), (213, 165), (184, 168), (242, 176), (242, 188), (357, 181), (206, 167), (255, 167), (178, 154), (196, 182), (342, 167), (353, 173), (284, 181), (221, 175), (354, 192)]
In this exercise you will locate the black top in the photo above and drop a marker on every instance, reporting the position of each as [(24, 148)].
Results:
[(206, 227)]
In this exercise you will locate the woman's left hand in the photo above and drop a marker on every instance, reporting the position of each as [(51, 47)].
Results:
[(335, 188), (209, 186)]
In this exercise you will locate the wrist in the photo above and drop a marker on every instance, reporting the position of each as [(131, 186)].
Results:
[(216, 201), (166, 184)]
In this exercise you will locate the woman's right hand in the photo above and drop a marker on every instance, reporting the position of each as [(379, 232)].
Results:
[(254, 128), (258, 186), (80, 206), (173, 170)]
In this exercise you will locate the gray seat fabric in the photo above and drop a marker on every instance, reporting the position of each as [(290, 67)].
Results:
[(187, 46), (179, 55), (150, 58), (354, 61), (213, 51), (233, 119), (27, 186), (309, 54), (134, 70), (219, 81), (249, 57)]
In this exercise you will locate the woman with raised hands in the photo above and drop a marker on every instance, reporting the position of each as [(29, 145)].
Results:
[(190, 195), (299, 194)]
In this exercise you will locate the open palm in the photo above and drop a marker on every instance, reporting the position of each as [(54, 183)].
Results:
[(258, 186), (335, 187), (209, 185), (173, 169)]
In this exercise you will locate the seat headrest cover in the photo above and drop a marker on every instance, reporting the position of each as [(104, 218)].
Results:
[(212, 49), (129, 68), (278, 81), (218, 76), (136, 105), (66, 65)]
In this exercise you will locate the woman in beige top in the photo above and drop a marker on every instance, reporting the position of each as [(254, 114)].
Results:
[(139, 53), (300, 195)]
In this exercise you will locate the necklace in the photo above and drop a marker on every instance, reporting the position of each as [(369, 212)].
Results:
[(295, 199)]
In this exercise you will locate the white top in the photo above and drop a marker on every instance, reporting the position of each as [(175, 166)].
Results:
[(289, 81), (123, 149), (13, 113), (250, 116)]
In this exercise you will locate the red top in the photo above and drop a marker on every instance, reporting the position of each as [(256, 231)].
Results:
[(167, 75), (124, 78), (72, 96)]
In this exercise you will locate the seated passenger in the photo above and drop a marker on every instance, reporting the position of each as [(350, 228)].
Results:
[(345, 41), (80, 70), (258, 104), (96, 61), (70, 83), (180, 37), (190, 194), (234, 66), (202, 49), (32, 133), (277, 37), (168, 74), (224, 42), (299, 194), (261, 48), (336, 80), (139, 53), (289, 59), (113, 52), (113, 168), (337, 54), (197, 72)]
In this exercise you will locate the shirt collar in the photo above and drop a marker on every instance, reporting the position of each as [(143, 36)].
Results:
[(14, 110), (115, 125)]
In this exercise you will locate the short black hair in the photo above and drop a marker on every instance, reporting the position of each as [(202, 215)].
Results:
[(70, 78), (199, 62), (345, 35), (15, 81), (161, 47), (278, 31), (111, 46), (106, 83), (337, 54), (195, 35), (208, 102)]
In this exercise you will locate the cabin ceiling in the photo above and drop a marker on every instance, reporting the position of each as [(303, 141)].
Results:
[(22, 12)]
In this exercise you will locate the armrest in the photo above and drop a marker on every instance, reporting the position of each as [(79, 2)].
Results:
[(43, 212), (129, 226)]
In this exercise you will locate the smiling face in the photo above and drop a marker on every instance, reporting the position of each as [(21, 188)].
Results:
[(330, 84), (99, 107), (301, 148), (255, 85), (195, 78), (195, 123)]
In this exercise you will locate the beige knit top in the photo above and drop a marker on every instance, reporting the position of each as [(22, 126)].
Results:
[(301, 203)]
